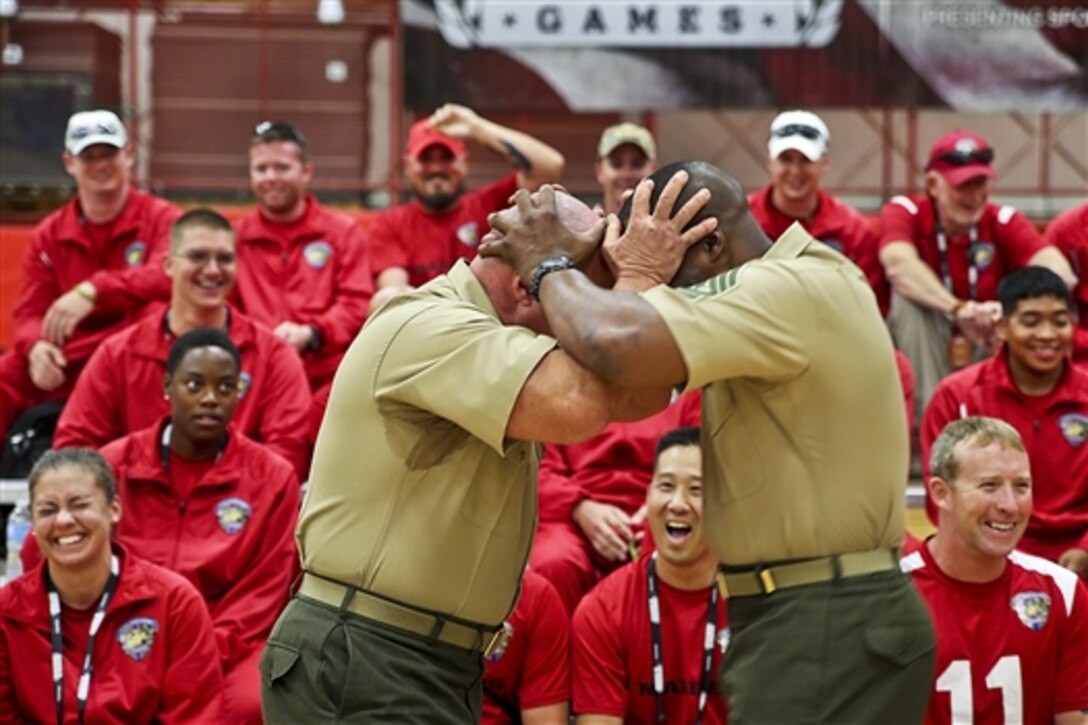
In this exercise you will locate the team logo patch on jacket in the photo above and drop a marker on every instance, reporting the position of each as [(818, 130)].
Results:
[(136, 637), (317, 254), (501, 643), (982, 254), (1033, 608), (468, 234), (1074, 428), (233, 514), (135, 253), (244, 381)]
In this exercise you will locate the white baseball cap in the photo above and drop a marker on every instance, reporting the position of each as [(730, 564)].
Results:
[(87, 128), (799, 130)]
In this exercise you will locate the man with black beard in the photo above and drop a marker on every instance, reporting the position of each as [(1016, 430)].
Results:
[(419, 240)]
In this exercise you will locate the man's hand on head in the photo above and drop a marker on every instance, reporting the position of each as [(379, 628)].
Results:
[(455, 121), (652, 247), (532, 232)]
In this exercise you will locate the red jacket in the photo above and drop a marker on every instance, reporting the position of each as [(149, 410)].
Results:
[(837, 225), (172, 679), (232, 537), (314, 272), (614, 468), (426, 243), (1006, 241), (126, 274), (1069, 233), (1055, 432), (122, 392)]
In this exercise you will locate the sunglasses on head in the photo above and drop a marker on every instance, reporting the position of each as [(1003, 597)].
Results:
[(962, 158), (798, 129), (278, 130)]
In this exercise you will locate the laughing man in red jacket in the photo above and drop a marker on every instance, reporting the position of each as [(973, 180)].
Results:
[(303, 269), (122, 392)]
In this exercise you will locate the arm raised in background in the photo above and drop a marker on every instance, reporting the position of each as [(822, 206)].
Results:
[(534, 161)]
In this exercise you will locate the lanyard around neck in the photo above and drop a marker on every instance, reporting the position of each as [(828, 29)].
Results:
[(709, 635), (972, 268), (84, 687)]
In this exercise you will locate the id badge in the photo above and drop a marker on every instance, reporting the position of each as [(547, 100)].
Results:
[(959, 351)]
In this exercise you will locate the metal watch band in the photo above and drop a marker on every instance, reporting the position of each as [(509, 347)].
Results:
[(546, 267)]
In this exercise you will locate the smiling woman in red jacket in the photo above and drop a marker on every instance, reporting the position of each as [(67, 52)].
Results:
[(134, 640)]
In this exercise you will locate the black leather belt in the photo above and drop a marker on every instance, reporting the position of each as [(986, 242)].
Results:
[(768, 579), (459, 633)]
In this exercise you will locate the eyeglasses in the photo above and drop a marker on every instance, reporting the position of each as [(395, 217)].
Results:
[(798, 129), (201, 257), (963, 158), (278, 131)]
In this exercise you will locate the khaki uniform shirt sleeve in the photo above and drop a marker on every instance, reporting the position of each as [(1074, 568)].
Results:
[(759, 322), (469, 373)]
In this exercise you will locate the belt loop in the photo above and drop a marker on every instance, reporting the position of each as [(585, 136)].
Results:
[(349, 594), (439, 625), (836, 567), (723, 589), (765, 578)]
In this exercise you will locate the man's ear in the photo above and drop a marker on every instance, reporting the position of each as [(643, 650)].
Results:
[(940, 492), (1002, 329), (520, 293)]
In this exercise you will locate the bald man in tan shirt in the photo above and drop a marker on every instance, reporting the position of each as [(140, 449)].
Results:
[(422, 499)]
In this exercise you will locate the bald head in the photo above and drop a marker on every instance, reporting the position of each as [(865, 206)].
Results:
[(737, 228), (511, 300)]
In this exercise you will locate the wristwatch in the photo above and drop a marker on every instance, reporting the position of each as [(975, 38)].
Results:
[(549, 265)]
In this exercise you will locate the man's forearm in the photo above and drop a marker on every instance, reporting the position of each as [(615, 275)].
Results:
[(914, 280), (616, 334)]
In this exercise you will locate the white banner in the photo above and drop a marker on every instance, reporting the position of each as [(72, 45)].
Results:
[(662, 24)]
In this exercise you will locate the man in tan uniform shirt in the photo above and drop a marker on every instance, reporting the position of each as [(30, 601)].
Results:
[(422, 498), (803, 438)]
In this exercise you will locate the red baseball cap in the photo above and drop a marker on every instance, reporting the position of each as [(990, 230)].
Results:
[(960, 156), (422, 136)]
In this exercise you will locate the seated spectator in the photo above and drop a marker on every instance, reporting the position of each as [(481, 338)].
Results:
[(212, 505), (944, 253), (90, 265), (593, 501), (527, 672), (626, 154), (133, 640), (415, 242), (1032, 384), (1012, 629), (123, 393), (642, 650), (303, 270), (797, 159), (1069, 233)]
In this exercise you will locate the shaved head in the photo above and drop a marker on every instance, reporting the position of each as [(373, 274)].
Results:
[(573, 213), (738, 237)]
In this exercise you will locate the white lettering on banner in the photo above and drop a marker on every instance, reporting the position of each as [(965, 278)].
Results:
[(661, 24)]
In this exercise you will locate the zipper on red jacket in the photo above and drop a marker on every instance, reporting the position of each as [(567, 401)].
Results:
[(182, 505)]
